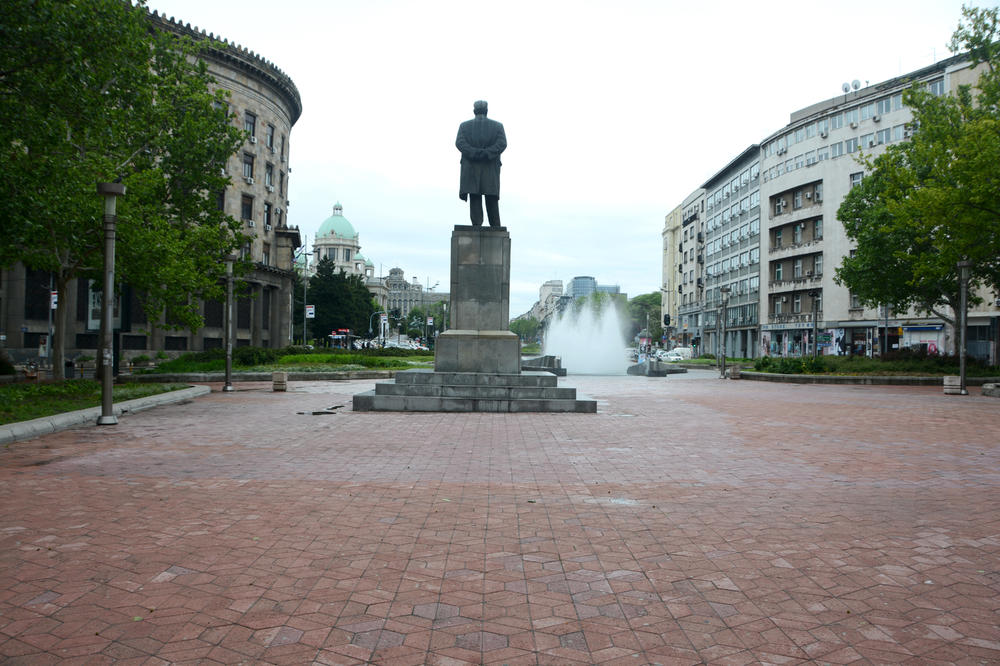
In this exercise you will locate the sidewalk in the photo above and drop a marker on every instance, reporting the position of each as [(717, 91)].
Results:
[(691, 520)]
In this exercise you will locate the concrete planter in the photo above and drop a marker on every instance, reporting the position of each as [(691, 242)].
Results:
[(952, 385)]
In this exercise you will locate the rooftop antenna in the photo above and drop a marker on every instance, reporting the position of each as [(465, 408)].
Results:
[(846, 88)]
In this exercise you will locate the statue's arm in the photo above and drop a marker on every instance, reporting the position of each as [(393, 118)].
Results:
[(468, 151), (498, 146)]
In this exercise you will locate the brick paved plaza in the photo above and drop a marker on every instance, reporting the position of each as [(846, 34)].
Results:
[(692, 520)]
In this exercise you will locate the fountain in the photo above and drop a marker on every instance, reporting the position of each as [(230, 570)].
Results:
[(589, 339)]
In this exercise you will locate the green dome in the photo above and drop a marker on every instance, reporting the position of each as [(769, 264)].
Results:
[(336, 225)]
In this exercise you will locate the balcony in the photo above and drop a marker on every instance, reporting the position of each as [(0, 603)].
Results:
[(795, 284), (790, 216), (792, 249), (793, 318)]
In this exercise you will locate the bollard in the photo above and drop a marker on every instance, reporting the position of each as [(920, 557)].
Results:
[(734, 372), (952, 385), (279, 381)]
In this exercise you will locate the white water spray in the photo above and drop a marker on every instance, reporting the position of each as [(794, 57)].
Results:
[(590, 342)]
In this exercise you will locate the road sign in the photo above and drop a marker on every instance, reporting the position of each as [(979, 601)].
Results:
[(53, 299), (310, 312), (430, 321)]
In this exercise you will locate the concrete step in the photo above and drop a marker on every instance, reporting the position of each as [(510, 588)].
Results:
[(428, 377), (371, 402), (477, 392)]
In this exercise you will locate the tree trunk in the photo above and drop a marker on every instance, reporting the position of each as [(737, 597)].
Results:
[(59, 324)]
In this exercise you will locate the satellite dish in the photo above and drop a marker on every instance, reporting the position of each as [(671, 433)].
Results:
[(846, 87), (855, 84)]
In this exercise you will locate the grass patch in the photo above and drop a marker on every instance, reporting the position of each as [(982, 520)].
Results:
[(531, 349), (26, 401), (257, 359)]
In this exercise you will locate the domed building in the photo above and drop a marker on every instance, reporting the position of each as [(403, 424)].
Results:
[(338, 241)]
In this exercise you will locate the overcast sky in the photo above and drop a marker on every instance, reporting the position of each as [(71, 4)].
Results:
[(614, 111)]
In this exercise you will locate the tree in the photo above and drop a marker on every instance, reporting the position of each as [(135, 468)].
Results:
[(341, 300), (526, 328), (646, 307), (934, 200), (90, 92)]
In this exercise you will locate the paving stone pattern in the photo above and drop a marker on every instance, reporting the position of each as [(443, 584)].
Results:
[(691, 520)]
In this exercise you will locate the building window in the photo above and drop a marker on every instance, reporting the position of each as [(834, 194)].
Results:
[(856, 179), (797, 268), (265, 253), (267, 214), (818, 192), (883, 106), (281, 183), (282, 153), (810, 130), (936, 87), (754, 255), (777, 238), (247, 165), (797, 200), (855, 302), (800, 161), (347, 254), (817, 301), (778, 272), (220, 200), (837, 121), (818, 264), (822, 153), (898, 132), (883, 136), (754, 226), (867, 140), (269, 136), (269, 174), (851, 116), (797, 233), (836, 149), (851, 144), (777, 304), (246, 208), (250, 124), (797, 303), (867, 111), (818, 229), (754, 283)]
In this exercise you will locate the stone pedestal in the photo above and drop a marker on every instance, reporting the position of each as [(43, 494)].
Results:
[(479, 312), (477, 363)]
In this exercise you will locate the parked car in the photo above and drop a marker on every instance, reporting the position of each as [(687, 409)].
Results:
[(685, 352), (672, 357)]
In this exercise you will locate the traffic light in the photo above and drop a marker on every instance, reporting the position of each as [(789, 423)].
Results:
[(666, 320)]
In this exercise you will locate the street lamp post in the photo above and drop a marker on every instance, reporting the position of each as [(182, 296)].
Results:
[(110, 192), (725, 303), (814, 295), (228, 387), (963, 285)]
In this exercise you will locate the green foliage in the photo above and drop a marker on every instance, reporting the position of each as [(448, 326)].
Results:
[(931, 202), (526, 328), (214, 360), (341, 300), (6, 367), (643, 308), (32, 400), (90, 93), (365, 360), (903, 362)]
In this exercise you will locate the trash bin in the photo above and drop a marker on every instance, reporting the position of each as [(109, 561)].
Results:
[(68, 367)]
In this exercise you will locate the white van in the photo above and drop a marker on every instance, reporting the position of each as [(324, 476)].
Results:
[(685, 352)]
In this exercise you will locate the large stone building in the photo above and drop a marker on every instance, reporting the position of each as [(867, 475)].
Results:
[(263, 101), (338, 241), (791, 238)]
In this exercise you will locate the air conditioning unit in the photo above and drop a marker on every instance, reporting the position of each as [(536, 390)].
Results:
[(876, 118), (872, 143), (249, 180), (784, 299), (250, 223), (267, 227), (809, 195), (854, 125), (253, 139), (270, 188), (824, 134)]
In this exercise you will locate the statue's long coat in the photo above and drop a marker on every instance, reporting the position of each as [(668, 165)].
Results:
[(481, 141)]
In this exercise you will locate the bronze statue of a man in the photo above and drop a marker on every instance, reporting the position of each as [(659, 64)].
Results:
[(481, 141)]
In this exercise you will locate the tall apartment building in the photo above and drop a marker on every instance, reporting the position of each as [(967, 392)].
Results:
[(732, 255), (690, 272), (669, 298), (805, 171)]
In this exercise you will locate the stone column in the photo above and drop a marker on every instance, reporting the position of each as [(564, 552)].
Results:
[(479, 339)]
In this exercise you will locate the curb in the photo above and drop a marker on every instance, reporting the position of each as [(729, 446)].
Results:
[(883, 380), (14, 432), (259, 376)]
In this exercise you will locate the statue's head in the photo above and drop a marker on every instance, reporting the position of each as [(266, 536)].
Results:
[(479, 108)]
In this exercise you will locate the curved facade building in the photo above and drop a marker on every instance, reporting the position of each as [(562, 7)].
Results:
[(264, 101)]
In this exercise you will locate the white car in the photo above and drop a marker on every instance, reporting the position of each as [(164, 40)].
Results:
[(672, 357)]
